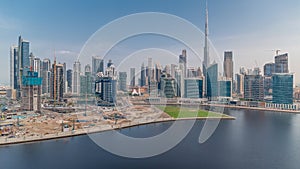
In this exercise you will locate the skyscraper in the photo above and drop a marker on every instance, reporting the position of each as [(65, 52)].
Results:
[(212, 82), (206, 61), (57, 82), (143, 75), (158, 71), (97, 65), (254, 87), (283, 88), (46, 74), (179, 83), (14, 67), (123, 81), (173, 69), (37, 66), (269, 70), (240, 84), (132, 77), (31, 91), (86, 82), (24, 53), (19, 65), (183, 62), (76, 78), (228, 64), (282, 63), (69, 80), (31, 60)]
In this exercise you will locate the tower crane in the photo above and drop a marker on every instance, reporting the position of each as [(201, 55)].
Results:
[(276, 51)]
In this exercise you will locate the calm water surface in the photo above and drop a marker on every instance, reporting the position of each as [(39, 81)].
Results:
[(255, 140)]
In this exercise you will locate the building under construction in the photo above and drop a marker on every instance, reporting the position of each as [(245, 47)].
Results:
[(57, 82), (31, 92)]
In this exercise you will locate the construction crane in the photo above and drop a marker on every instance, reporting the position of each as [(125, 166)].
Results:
[(276, 51)]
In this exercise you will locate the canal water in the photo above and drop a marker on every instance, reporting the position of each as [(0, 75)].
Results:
[(255, 140)]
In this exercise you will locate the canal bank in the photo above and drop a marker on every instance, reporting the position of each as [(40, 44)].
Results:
[(97, 129)]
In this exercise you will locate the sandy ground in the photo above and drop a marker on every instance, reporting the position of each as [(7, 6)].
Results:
[(52, 122)]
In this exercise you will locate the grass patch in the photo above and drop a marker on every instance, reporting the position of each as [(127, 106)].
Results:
[(179, 112)]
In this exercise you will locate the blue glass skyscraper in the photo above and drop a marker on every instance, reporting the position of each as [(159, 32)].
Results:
[(283, 88), (212, 82)]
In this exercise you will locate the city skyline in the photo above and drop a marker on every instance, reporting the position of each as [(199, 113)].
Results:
[(233, 35)]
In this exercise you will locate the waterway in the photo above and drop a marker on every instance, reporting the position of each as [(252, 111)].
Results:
[(255, 140)]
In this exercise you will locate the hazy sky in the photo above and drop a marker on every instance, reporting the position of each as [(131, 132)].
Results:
[(251, 28)]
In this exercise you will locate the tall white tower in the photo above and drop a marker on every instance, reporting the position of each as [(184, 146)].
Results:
[(206, 61), (76, 78)]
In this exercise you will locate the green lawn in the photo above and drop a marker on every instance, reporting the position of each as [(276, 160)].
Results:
[(174, 111)]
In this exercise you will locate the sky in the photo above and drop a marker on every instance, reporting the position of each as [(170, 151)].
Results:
[(251, 29)]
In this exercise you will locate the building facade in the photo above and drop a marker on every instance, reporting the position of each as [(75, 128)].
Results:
[(225, 88), (31, 91), (283, 88), (106, 91), (212, 82), (123, 81), (76, 78), (240, 84), (282, 63), (57, 83), (97, 65), (228, 64), (132, 77), (193, 88), (254, 87)]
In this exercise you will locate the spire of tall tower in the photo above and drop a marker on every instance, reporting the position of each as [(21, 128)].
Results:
[(206, 48), (54, 56)]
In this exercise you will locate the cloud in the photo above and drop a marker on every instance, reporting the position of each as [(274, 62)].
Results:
[(66, 53)]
